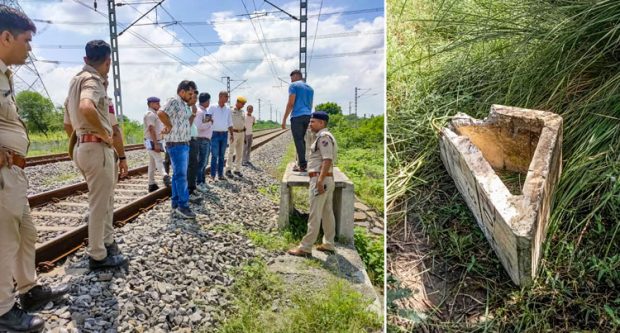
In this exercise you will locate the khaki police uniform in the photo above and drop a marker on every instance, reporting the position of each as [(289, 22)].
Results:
[(96, 160), (17, 232), (321, 206), (236, 147)]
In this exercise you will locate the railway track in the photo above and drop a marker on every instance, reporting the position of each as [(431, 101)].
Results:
[(53, 158), (60, 215)]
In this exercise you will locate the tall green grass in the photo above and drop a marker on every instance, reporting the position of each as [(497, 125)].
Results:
[(562, 56)]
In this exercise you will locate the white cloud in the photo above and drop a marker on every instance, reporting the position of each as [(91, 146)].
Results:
[(333, 79)]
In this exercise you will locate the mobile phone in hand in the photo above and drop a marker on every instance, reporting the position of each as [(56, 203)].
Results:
[(316, 190)]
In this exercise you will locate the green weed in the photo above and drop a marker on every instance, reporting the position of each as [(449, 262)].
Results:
[(454, 56)]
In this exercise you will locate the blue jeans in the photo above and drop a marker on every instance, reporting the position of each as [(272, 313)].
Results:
[(179, 156), (204, 148), (219, 140)]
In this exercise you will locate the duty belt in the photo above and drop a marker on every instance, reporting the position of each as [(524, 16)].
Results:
[(238, 131), (316, 174), (19, 160), (89, 138)]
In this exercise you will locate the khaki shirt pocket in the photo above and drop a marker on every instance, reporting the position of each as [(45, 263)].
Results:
[(8, 108)]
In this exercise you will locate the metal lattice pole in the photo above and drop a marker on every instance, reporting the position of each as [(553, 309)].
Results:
[(116, 68), (30, 64), (303, 37)]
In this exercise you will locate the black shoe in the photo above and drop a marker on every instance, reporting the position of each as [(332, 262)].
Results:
[(185, 213), (238, 174), (167, 181), (153, 188), (112, 249), (221, 178), (107, 262), (40, 295), (195, 198), (229, 174), (18, 320)]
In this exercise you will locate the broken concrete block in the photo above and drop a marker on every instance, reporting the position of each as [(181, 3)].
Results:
[(506, 168)]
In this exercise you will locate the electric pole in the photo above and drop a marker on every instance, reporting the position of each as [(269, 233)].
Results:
[(227, 86), (303, 37), (349, 108), (259, 109), (356, 88), (358, 96), (303, 33), (30, 65), (116, 68), (270, 112)]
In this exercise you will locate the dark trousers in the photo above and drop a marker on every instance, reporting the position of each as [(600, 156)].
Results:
[(192, 165), (167, 162), (204, 148), (219, 140), (299, 125)]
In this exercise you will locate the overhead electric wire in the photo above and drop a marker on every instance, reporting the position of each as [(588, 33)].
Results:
[(181, 61), (275, 74), (218, 43), (194, 38), (175, 37), (316, 31), (260, 26), (351, 12), (245, 61)]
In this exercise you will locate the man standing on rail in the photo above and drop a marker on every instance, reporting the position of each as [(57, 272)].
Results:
[(176, 118), (300, 104), (17, 232), (236, 139), (88, 112), (153, 141), (249, 123), (203, 123), (222, 128), (323, 152)]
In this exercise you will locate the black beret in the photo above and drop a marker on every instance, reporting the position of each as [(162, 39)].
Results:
[(320, 115)]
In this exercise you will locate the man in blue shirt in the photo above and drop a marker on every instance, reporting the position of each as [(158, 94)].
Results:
[(300, 96)]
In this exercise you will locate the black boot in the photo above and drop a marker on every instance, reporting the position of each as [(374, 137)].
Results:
[(18, 320), (39, 295), (112, 249), (153, 187), (108, 262), (167, 180)]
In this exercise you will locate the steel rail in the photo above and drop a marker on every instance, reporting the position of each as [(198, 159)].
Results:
[(40, 199), (61, 157), (56, 249)]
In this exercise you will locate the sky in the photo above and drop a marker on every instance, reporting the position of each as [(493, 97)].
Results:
[(250, 41)]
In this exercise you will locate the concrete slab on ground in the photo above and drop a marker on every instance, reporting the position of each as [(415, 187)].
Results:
[(345, 264)]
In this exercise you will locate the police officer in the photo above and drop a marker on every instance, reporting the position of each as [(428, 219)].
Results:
[(323, 153), (153, 143), (17, 232), (87, 109), (237, 138)]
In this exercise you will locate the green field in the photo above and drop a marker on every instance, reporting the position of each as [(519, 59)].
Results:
[(454, 56)]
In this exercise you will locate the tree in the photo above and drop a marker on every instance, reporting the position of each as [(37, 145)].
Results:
[(329, 108), (38, 112)]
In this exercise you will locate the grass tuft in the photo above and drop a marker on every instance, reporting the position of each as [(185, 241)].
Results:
[(454, 56)]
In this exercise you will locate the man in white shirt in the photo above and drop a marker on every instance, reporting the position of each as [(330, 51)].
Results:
[(203, 123), (249, 123), (153, 143), (221, 129), (236, 139)]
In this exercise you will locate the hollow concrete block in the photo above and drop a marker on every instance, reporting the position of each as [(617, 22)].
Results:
[(516, 140)]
